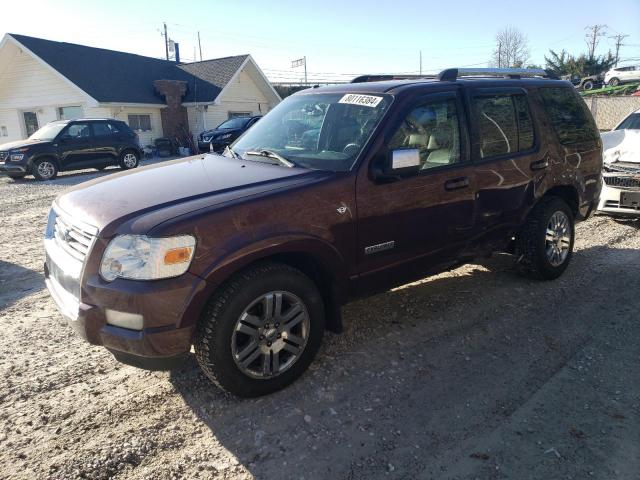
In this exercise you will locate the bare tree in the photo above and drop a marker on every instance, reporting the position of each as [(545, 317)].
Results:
[(592, 37), (512, 48)]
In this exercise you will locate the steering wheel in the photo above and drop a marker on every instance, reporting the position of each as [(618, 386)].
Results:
[(351, 149)]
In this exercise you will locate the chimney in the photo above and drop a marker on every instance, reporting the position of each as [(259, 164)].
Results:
[(177, 52)]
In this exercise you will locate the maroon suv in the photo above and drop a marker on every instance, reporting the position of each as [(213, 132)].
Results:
[(338, 192)]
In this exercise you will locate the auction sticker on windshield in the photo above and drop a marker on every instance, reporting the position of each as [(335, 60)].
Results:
[(363, 100)]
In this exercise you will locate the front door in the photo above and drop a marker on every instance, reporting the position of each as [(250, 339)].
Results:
[(30, 122), (423, 218), (76, 146)]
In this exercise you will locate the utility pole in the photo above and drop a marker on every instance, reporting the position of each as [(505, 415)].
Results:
[(499, 54), (199, 46), (594, 32), (305, 70), (166, 41), (619, 38)]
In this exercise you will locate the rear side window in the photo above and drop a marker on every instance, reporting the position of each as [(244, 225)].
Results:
[(569, 115), (505, 125), (102, 129)]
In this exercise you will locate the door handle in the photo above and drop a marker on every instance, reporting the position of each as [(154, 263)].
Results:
[(456, 183), (540, 164)]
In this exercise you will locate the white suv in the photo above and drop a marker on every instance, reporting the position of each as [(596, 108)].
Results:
[(618, 75)]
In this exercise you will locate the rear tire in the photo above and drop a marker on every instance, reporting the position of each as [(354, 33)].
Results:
[(44, 169), (545, 243), (129, 159), (246, 344), (588, 85)]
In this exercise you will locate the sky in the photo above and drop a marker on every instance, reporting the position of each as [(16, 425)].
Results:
[(340, 39)]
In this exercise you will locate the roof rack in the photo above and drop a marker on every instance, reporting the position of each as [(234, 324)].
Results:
[(452, 74), (382, 78)]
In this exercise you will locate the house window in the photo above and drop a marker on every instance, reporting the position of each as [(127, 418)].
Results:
[(69, 113), (239, 114), (140, 123), (3, 131)]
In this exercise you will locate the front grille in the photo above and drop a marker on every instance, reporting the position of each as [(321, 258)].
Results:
[(622, 167), (74, 239), (612, 204), (3, 156), (622, 182)]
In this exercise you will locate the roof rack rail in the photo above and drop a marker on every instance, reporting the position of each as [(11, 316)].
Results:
[(381, 78), (452, 74)]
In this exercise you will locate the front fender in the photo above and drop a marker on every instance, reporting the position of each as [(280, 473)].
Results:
[(222, 268)]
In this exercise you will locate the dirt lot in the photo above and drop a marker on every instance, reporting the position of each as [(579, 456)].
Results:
[(476, 373)]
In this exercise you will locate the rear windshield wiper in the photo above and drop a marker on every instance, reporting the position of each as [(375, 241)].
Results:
[(273, 155)]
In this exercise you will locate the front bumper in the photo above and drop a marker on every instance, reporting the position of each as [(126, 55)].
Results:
[(169, 309), (610, 202), (11, 167)]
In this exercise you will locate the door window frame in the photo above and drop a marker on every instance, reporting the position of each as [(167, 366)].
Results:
[(474, 92), (425, 98), (66, 129)]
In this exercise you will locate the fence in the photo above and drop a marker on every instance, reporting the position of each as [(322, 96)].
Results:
[(609, 111)]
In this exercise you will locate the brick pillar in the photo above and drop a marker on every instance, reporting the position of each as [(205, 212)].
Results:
[(174, 118)]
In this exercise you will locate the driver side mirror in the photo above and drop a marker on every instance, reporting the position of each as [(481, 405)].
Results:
[(399, 162)]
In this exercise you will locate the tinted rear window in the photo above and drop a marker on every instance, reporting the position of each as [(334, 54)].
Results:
[(569, 115)]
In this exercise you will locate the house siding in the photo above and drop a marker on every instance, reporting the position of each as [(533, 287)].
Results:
[(27, 85), (241, 95)]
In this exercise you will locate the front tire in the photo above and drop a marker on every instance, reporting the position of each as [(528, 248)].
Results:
[(545, 243), (129, 159), (261, 330), (614, 82), (588, 85), (45, 169)]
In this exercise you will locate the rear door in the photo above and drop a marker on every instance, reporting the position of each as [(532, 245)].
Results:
[(422, 218), (508, 157), (105, 141)]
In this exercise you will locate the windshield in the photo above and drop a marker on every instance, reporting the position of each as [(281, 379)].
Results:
[(318, 131), (632, 122), (48, 132), (233, 123)]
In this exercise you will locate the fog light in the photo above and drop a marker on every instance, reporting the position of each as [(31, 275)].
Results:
[(132, 321)]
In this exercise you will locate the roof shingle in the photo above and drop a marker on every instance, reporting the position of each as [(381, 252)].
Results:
[(110, 76)]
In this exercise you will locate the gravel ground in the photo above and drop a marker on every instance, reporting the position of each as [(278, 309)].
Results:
[(475, 373)]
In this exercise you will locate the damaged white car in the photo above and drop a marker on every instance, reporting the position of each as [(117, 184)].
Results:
[(621, 172)]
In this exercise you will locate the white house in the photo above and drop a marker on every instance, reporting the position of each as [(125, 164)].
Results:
[(43, 80)]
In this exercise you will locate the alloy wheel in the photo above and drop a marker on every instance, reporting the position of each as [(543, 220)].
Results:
[(558, 238), (130, 160), (46, 169), (270, 335)]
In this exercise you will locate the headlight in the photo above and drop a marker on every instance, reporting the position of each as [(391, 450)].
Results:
[(206, 139), (138, 257), (16, 157)]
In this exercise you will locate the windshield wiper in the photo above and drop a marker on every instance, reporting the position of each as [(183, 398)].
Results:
[(231, 152), (273, 155)]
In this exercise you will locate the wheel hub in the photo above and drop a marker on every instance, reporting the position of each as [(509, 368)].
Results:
[(270, 335), (558, 238)]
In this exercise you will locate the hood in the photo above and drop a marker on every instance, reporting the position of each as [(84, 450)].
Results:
[(22, 144), (222, 131), (621, 146), (176, 186)]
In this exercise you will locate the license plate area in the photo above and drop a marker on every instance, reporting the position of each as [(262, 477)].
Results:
[(69, 283), (630, 200)]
